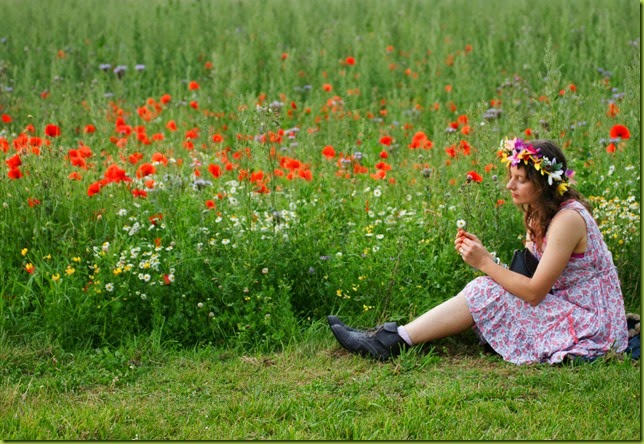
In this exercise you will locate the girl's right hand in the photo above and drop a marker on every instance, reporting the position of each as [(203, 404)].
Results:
[(458, 242)]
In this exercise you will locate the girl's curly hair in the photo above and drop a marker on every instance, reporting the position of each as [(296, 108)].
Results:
[(537, 218)]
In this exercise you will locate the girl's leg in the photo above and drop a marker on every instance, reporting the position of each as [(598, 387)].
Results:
[(447, 319)]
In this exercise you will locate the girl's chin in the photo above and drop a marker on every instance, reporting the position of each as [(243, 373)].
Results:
[(518, 201)]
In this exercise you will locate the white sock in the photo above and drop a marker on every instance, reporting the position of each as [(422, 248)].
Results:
[(403, 334)]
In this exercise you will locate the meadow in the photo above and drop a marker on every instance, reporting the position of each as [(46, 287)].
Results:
[(199, 183)]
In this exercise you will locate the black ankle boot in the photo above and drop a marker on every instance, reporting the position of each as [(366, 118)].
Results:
[(334, 320), (382, 344)]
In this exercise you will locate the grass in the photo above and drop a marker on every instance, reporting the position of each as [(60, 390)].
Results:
[(310, 391)]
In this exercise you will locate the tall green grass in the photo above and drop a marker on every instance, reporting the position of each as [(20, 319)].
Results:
[(257, 268)]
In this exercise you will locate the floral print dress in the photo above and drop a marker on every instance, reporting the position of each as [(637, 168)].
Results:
[(583, 315)]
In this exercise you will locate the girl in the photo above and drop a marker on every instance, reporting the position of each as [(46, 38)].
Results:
[(571, 307)]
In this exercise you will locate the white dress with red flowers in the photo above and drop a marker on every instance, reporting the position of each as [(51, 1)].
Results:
[(583, 315)]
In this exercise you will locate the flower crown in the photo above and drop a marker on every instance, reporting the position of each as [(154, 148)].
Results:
[(513, 151)]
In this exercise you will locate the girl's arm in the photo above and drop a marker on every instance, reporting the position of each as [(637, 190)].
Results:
[(567, 230)]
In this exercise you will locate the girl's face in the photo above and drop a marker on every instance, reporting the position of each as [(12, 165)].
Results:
[(523, 191)]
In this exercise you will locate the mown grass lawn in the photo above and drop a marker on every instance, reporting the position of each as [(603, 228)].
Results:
[(311, 391)]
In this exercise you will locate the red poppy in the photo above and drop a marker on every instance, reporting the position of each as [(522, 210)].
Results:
[(139, 193), (154, 220), (77, 160), (165, 99), (306, 174), (35, 141), (257, 176), (384, 166), (384, 154), (610, 148), (116, 174), (620, 131), (210, 204), (89, 128), (52, 130), (378, 175), (193, 85), (144, 170), (465, 147), (84, 151), (350, 61), (123, 129), (135, 157), (327, 87), (613, 110), (32, 202), (6, 118), (217, 138), (386, 140), (192, 133), (473, 175), (215, 170), (420, 140), (14, 161), (171, 125), (94, 188), (160, 158), (328, 152), (15, 173)]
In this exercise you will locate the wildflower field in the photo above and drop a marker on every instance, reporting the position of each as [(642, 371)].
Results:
[(229, 172)]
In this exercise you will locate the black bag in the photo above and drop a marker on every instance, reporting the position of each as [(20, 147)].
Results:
[(524, 262)]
